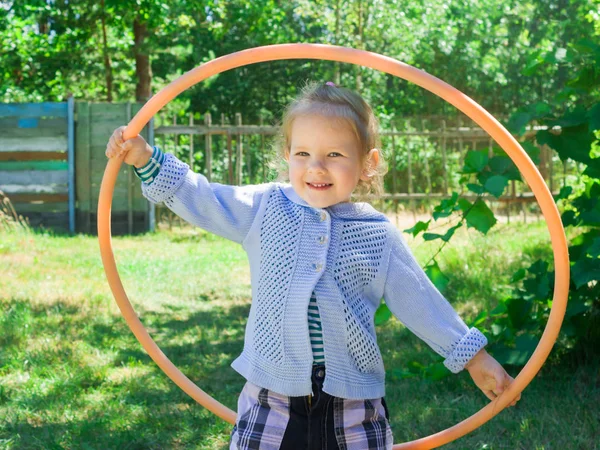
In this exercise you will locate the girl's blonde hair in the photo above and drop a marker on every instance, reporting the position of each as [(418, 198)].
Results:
[(333, 101)]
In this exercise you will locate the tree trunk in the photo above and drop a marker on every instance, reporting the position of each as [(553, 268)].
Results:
[(107, 63), (142, 61), (360, 45), (337, 77)]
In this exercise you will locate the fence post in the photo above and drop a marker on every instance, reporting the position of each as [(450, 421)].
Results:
[(208, 146), (71, 159), (229, 151), (426, 158), (444, 159), (191, 142), (394, 180), (239, 150)]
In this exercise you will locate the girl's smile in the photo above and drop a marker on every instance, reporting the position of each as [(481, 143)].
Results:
[(325, 160)]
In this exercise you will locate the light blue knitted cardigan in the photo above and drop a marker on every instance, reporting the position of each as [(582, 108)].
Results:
[(349, 254)]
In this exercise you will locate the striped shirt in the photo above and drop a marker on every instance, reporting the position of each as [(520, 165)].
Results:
[(315, 331)]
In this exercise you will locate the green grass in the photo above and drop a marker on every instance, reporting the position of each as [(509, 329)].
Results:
[(73, 376)]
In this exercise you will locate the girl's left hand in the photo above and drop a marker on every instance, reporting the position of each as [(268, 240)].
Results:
[(489, 375)]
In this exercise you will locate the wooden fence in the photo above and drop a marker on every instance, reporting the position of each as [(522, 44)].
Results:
[(52, 162), (425, 155), (95, 123), (37, 168)]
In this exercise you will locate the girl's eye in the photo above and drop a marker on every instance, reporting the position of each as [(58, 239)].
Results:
[(335, 154), (301, 154)]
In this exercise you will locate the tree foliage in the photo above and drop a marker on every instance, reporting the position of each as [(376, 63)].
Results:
[(53, 48)]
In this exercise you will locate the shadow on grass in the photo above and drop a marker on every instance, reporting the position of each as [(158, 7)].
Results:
[(88, 380)]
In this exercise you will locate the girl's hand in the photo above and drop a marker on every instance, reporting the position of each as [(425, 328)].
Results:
[(134, 151), (489, 375)]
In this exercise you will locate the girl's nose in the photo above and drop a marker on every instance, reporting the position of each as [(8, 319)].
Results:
[(316, 165)]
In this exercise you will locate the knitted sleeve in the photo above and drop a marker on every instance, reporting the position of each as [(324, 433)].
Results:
[(225, 210), (417, 303)]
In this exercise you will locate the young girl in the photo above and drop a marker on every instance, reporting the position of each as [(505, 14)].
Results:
[(319, 265)]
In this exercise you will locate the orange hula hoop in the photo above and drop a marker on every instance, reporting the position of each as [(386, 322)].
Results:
[(393, 67)]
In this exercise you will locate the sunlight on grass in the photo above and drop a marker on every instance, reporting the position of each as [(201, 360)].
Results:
[(72, 374)]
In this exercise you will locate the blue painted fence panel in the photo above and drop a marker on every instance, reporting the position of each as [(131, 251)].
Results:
[(31, 110)]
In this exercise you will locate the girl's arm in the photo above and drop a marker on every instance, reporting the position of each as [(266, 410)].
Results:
[(417, 303), (222, 209)]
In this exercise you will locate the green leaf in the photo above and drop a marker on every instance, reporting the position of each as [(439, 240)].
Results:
[(383, 314), (585, 270), (496, 184), (475, 161), (569, 218), (419, 226), (532, 150), (518, 276), (481, 217), (518, 309), (444, 237), (565, 191), (499, 310), (519, 120), (503, 165), (437, 277), (446, 207), (476, 188), (594, 117), (510, 356), (573, 142), (481, 317), (525, 345), (594, 249), (576, 306)]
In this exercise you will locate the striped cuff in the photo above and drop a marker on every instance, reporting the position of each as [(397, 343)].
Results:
[(149, 172)]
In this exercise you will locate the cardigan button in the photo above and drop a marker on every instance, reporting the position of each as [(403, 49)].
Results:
[(322, 239), (323, 216), (317, 266)]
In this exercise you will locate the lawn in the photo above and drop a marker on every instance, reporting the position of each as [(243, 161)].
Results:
[(73, 376)]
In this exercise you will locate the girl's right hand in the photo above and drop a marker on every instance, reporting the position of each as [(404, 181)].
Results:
[(135, 151)]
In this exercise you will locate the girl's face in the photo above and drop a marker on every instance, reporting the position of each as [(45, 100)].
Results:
[(324, 160)]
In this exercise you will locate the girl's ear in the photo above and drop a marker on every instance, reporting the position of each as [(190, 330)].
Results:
[(286, 154), (370, 165)]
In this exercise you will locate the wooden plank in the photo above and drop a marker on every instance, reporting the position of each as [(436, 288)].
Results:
[(47, 125), (34, 188), (46, 198), (28, 177), (33, 109), (57, 221), (33, 156), (37, 144), (34, 165), (20, 134), (60, 207)]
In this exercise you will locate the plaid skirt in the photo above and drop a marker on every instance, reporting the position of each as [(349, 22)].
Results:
[(269, 421)]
